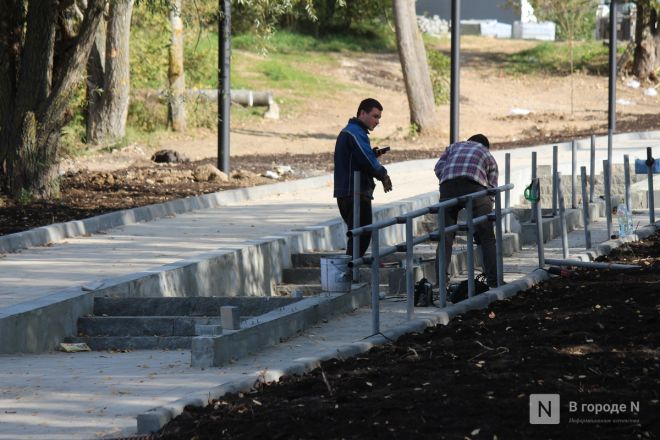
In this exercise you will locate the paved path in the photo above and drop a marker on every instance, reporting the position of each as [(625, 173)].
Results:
[(99, 394)]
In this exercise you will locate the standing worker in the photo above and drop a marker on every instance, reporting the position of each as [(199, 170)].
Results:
[(353, 152), (464, 168)]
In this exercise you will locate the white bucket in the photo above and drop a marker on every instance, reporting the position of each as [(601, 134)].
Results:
[(335, 274)]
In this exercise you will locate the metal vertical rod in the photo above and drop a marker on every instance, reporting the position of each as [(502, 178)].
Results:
[(626, 181), (555, 161), (585, 209), (608, 178), (507, 195), (455, 70), (611, 121), (470, 242), (574, 175), (608, 198), (224, 86), (562, 218), (498, 241), (442, 259), (651, 196), (534, 214), (356, 222), (410, 282), (536, 206), (592, 169), (375, 284)]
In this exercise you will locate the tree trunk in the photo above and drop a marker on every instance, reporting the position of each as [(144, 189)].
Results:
[(95, 79), (38, 95), (108, 124), (176, 108), (414, 64), (647, 35)]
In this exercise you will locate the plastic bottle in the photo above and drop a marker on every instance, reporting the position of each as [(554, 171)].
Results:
[(624, 219)]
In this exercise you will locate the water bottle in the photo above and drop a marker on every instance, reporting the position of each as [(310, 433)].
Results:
[(624, 219)]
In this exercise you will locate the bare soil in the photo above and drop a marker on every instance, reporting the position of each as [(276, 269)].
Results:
[(304, 138), (591, 338)]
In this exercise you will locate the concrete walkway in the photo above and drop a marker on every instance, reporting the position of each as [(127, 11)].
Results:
[(94, 395)]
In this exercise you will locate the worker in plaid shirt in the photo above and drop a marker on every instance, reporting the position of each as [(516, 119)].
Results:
[(464, 168)]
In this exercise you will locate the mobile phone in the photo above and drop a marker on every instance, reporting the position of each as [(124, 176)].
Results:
[(383, 150)]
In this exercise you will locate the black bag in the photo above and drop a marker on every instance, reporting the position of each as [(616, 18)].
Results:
[(423, 293), (458, 292)]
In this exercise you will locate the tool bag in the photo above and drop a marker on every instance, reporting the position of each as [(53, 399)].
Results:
[(459, 291), (423, 293)]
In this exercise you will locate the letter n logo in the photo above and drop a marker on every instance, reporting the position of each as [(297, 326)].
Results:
[(544, 409)]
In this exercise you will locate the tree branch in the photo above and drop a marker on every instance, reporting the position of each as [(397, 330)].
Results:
[(51, 112)]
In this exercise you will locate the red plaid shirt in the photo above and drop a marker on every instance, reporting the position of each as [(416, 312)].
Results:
[(468, 159)]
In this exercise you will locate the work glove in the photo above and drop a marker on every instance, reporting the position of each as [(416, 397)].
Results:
[(387, 184)]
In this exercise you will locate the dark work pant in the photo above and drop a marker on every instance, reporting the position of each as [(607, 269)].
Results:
[(345, 205), (484, 233)]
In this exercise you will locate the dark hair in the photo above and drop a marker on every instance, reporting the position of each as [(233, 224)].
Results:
[(367, 105), (483, 140)]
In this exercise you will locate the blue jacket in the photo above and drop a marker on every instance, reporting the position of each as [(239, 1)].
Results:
[(353, 153)]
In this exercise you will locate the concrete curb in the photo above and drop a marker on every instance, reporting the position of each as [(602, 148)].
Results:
[(270, 328), (154, 419)]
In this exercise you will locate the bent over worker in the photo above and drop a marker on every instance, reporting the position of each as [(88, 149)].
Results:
[(353, 152), (463, 168)]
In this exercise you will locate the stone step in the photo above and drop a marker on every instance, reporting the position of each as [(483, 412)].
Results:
[(191, 306), (312, 275), (134, 342), (305, 289), (313, 259), (142, 325)]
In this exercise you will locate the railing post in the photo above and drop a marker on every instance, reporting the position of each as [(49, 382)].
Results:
[(536, 207), (375, 282), (562, 218), (651, 197), (555, 160), (442, 258), (585, 209), (507, 195), (626, 181), (573, 174), (534, 215), (592, 169), (498, 240), (470, 241), (356, 222), (410, 282), (608, 197)]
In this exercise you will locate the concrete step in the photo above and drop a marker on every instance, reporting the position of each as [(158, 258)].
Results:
[(134, 342), (142, 325), (305, 289), (312, 275), (313, 259), (192, 306)]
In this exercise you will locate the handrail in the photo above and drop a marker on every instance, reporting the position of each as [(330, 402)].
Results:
[(411, 241)]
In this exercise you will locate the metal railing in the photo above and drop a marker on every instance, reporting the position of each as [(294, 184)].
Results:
[(440, 235)]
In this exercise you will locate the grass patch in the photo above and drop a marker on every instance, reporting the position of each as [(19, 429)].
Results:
[(284, 41), (554, 58)]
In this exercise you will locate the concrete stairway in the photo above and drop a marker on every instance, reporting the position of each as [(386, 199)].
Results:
[(163, 323)]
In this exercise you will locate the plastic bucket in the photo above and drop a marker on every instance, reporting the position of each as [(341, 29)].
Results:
[(335, 274)]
